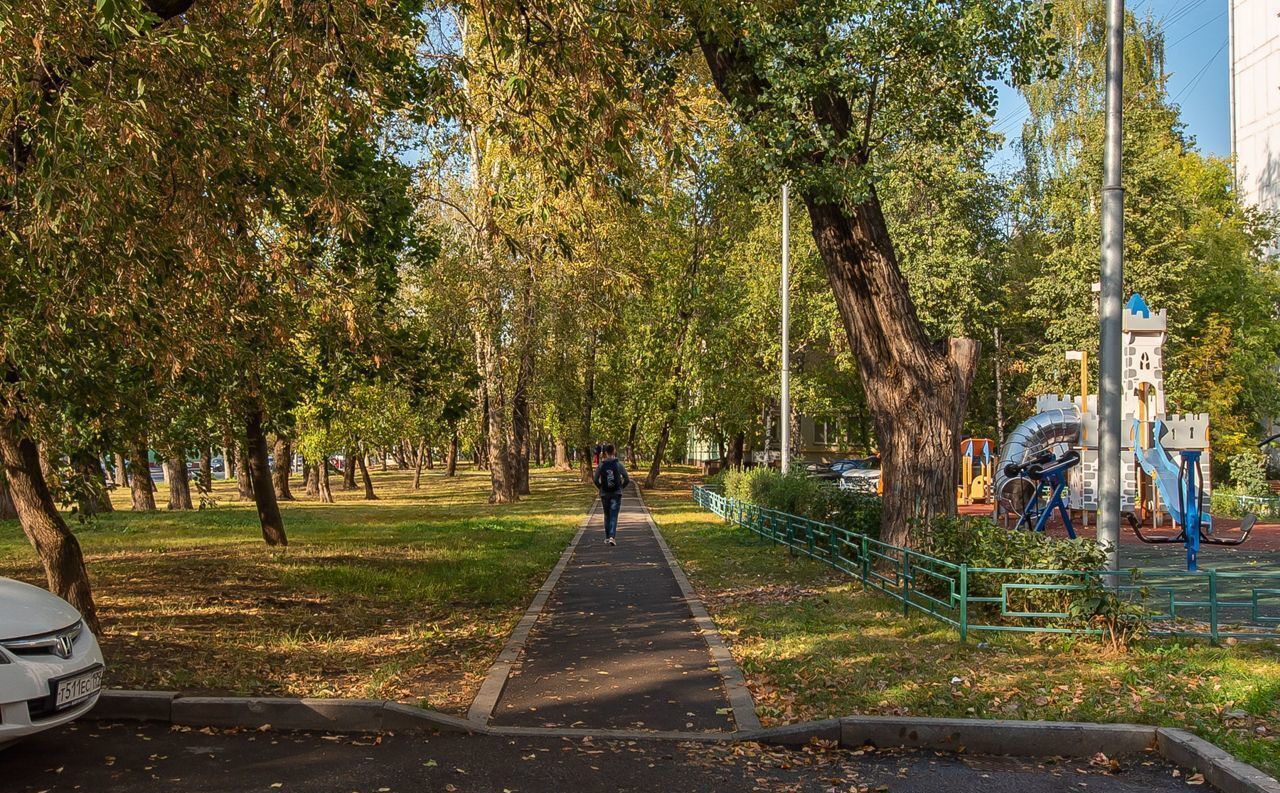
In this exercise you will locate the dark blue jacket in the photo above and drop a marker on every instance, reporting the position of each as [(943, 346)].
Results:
[(619, 474)]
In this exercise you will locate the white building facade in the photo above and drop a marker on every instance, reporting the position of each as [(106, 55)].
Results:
[(1255, 100)]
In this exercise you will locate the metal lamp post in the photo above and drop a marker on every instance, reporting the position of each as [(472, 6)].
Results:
[(1110, 355), (786, 328)]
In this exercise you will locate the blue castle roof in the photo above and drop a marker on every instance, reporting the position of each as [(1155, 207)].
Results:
[(1137, 305)]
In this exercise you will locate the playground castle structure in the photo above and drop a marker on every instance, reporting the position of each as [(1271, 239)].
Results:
[(1070, 423)]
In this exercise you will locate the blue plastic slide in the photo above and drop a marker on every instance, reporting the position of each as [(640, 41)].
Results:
[(1160, 466)]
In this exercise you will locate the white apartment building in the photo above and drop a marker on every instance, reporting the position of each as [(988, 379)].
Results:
[(1255, 99)]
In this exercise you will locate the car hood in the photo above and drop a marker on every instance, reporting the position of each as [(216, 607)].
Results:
[(861, 473), (26, 610)]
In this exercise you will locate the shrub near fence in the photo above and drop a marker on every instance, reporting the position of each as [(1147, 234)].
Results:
[(797, 494), (1057, 589)]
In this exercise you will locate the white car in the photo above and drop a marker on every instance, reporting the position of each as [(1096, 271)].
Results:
[(861, 477), (50, 662)]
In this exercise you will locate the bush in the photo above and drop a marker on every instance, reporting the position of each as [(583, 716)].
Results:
[(1225, 501), (797, 494), (1249, 474), (980, 543)]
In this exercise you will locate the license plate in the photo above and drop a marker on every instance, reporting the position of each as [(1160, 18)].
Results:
[(77, 689)]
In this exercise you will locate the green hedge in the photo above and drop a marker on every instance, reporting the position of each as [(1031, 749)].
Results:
[(797, 494)]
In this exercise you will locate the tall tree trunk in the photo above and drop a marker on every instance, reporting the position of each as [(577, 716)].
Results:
[(322, 481), (230, 455), (122, 473), (92, 495), (206, 468), (283, 453), (7, 509), (684, 316), (659, 452), (369, 495), (998, 365), (585, 444), (917, 390), (562, 455), (428, 457), (501, 478), (633, 464), (244, 474), (264, 495), (451, 462), (382, 460), (51, 477), (349, 471), (421, 457), (311, 477), (737, 450), (526, 307), (140, 485), (57, 547), (520, 426), (481, 449), (179, 483)]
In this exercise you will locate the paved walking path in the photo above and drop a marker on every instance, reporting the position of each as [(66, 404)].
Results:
[(619, 644)]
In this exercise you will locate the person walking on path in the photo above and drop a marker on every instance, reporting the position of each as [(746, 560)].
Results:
[(610, 479)]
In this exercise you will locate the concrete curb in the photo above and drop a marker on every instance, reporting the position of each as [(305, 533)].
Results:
[(495, 680), (1220, 768), (975, 736), (735, 684), (1028, 738), (281, 713), (614, 735), (127, 705)]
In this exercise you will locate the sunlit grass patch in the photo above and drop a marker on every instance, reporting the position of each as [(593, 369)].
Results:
[(814, 645), (409, 597)]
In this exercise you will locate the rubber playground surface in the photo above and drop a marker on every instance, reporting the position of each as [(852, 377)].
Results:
[(1262, 547)]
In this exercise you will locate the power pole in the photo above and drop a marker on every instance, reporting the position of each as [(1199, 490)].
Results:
[(786, 328), (1112, 296)]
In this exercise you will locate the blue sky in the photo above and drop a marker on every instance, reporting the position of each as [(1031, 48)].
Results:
[(1198, 65)]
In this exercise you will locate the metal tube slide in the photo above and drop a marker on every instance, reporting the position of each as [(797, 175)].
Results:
[(1036, 435)]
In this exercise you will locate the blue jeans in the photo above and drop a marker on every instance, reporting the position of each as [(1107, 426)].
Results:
[(611, 503)]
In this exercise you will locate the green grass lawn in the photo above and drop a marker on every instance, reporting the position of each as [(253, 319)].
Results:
[(814, 645), (409, 597)]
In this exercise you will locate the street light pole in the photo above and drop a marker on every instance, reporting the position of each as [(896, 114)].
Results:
[(786, 328), (1112, 296)]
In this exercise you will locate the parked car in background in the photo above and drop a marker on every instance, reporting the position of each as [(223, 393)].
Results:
[(50, 663), (823, 471), (834, 471), (862, 476)]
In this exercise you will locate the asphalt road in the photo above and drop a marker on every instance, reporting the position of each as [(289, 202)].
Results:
[(115, 758)]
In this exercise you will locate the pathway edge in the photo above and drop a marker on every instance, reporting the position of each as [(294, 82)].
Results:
[(735, 683), (495, 680)]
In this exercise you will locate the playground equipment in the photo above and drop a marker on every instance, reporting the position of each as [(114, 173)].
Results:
[(977, 459), (1046, 474), (1051, 431), (1181, 487), (1070, 423)]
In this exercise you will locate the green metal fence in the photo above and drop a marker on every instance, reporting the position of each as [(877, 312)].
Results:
[(1205, 604)]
